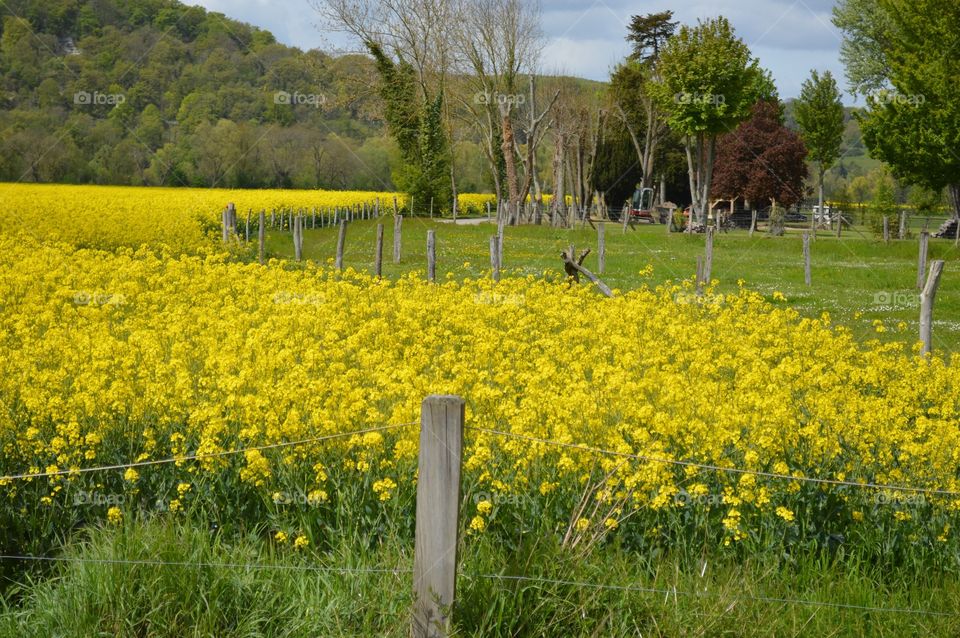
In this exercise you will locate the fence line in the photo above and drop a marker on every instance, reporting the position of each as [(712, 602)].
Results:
[(195, 457), (675, 592), (719, 468)]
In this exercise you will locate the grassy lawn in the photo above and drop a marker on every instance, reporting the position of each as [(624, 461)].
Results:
[(857, 279)]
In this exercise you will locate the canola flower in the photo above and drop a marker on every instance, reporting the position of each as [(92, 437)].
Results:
[(175, 219), (205, 356)]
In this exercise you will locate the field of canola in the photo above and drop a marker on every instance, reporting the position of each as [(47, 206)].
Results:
[(111, 354)]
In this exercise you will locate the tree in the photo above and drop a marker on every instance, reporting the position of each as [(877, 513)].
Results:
[(819, 113), (762, 160), (914, 124), (417, 129), (629, 84), (708, 81)]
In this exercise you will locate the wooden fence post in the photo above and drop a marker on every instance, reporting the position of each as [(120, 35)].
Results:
[(431, 255), (397, 237), (708, 261), (886, 229), (753, 221), (297, 245), (902, 233), (807, 278), (225, 225), (927, 297), (438, 515), (601, 248), (232, 217), (341, 242), (378, 255), (261, 235), (247, 227), (500, 225), (924, 252), (494, 258)]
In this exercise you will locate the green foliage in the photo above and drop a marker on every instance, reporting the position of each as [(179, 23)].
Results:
[(914, 125), (132, 99), (708, 79), (416, 124), (820, 114)]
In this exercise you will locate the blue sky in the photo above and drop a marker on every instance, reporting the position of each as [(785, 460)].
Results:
[(586, 38)]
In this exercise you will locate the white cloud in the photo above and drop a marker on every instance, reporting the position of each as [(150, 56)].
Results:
[(586, 38)]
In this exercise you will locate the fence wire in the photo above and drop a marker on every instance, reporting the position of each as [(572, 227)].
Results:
[(718, 468), (198, 457)]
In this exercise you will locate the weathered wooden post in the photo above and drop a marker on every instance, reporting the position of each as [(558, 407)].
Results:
[(708, 260), (438, 515), (601, 248), (397, 237), (927, 297), (431, 208), (273, 218), (247, 227), (313, 220), (924, 252), (902, 232), (500, 225), (232, 217), (341, 242), (886, 229), (225, 225), (753, 221), (431, 255), (297, 245), (378, 254), (807, 278), (488, 211), (261, 236), (495, 258)]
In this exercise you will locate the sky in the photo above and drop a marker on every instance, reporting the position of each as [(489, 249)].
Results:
[(586, 38)]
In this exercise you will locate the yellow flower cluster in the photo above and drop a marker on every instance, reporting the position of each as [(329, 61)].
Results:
[(176, 218), (205, 356)]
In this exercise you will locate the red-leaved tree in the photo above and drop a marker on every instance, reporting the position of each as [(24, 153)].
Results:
[(762, 160)]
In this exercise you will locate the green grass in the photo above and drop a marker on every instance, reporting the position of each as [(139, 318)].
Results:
[(110, 585), (857, 279)]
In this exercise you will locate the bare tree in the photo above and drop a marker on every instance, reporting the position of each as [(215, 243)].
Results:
[(498, 42)]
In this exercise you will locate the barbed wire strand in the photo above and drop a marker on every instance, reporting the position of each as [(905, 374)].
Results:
[(719, 468), (676, 592), (161, 563), (196, 457)]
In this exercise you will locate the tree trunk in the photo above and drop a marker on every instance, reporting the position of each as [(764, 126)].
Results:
[(512, 186)]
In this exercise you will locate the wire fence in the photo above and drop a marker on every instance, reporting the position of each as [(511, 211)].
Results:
[(355, 571)]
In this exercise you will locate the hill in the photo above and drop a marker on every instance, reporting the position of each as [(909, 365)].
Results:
[(156, 92)]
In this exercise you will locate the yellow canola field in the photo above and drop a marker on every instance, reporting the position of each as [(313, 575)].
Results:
[(180, 219), (112, 357)]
